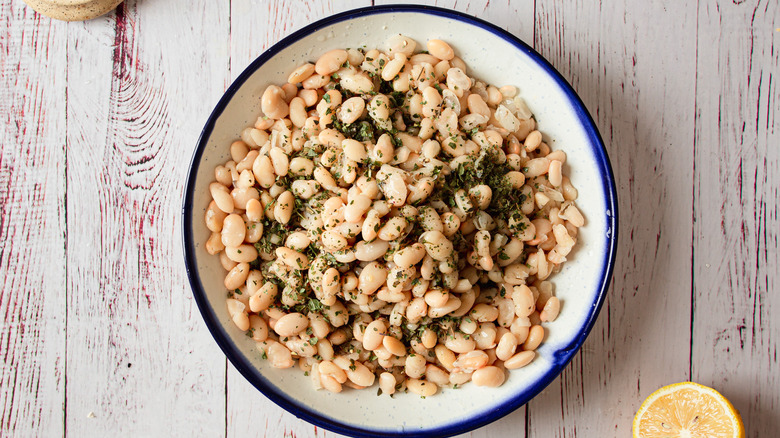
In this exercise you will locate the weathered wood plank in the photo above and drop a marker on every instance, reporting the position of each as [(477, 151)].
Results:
[(135, 104), (32, 222), (618, 56), (141, 83), (736, 208)]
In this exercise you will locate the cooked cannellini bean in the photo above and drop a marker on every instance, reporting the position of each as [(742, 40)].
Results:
[(330, 61), (536, 167), (372, 277), (263, 298), (421, 387), (291, 324), (457, 81), (401, 44), (379, 110), (372, 338), (551, 310), (331, 282), (506, 346), (392, 229), (437, 245), (393, 67), (357, 83), (489, 376), (471, 361), (263, 170), (387, 383), (283, 207), (359, 374), (233, 230), (572, 214), (280, 356), (237, 276), (460, 343), (519, 360), (301, 73), (394, 346), (409, 256), (440, 49), (214, 217), (221, 197), (351, 109), (367, 252), (273, 104), (292, 258), (535, 337), (241, 253)]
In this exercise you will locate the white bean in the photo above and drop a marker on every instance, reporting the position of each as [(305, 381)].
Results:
[(221, 197), (387, 383), (372, 277), (423, 388), (330, 61), (291, 324), (519, 360), (489, 376), (375, 332), (233, 230), (415, 366), (264, 297), (366, 252), (273, 104), (437, 245), (351, 109), (392, 229), (301, 73), (440, 49), (292, 258), (241, 253), (284, 207)]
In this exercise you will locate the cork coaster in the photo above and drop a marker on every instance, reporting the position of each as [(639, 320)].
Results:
[(73, 10)]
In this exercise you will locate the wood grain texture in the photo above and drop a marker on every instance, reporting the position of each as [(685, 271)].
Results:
[(616, 55), (99, 334), (140, 361), (32, 223), (737, 229)]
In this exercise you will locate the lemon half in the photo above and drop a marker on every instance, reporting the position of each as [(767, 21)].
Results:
[(687, 410)]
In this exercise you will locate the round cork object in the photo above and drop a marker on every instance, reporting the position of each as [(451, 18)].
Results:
[(73, 10)]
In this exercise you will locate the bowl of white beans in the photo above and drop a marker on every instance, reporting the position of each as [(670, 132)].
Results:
[(400, 221)]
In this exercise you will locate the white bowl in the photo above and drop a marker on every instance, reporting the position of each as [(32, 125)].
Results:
[(496, 57)]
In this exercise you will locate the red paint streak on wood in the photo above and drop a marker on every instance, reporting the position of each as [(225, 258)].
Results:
[(644, 112), (737, 228), (133, 120), (32, 231)]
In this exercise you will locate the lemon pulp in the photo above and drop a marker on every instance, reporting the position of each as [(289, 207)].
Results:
[(687, 410)]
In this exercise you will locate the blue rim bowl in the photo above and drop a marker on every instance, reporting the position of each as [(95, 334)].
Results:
[(561, 357)]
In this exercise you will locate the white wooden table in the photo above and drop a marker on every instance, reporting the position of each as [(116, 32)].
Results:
[(99, 333)]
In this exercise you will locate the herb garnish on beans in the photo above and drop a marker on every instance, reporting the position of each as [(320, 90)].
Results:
[(391, 216)]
